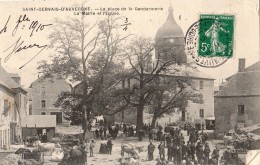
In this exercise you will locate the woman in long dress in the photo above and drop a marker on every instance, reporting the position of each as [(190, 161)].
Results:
[(213, 33)]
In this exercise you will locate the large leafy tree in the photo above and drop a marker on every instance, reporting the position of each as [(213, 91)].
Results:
[(143, 71), (85, 54), (147, 90), (173, 91)]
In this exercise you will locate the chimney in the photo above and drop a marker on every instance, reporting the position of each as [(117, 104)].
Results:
[(221, 85), (241, 64)]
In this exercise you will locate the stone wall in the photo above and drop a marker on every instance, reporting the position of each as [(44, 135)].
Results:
[(227, 116)]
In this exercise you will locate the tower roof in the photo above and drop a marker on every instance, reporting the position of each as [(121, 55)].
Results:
[(170, 28)]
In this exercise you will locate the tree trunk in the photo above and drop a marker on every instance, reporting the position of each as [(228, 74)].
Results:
[(154, 121), (84, 124), (139, 118)]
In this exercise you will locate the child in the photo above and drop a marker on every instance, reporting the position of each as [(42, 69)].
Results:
[(91, 146)]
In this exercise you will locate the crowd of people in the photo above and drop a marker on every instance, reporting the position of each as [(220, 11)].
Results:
[(102, 132), (195, 150), (172, 146)]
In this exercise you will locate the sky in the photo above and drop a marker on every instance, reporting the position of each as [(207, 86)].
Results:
[(143, 23)]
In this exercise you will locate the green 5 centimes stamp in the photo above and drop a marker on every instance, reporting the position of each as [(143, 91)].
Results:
[(210, 41), (216, 35)]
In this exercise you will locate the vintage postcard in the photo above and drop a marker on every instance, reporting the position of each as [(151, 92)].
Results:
[(169, 82)]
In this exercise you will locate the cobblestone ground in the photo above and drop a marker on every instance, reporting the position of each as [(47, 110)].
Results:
[(116, 154), (104, 159), (2, 155), (107, 159)]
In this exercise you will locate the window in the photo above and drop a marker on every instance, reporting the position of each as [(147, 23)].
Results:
[(201, 112), (8, 137), (6, 107), (20, 100), (43, 113), (201, 84), (14, 114), (43, 90), (43, 103), (5, 137), (241, 109), (30, 107)]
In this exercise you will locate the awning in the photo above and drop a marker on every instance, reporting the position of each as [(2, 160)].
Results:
[(210, 118), (39, 121)]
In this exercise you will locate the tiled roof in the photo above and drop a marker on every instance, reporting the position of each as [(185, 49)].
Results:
[(200, 74), (190, 72), (39, 121), (254, 67), (6, 80), (47, 78), (242, 84)]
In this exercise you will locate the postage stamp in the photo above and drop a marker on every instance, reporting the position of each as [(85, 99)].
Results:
[(210, 40)]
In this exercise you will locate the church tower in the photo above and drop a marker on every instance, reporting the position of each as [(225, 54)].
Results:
[(169, 41)]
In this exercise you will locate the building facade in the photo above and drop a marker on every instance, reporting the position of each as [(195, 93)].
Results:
[(42, 95), (170, 43), (237, 103), (12, 108), (197, 113), (170, 47), (194, 112)]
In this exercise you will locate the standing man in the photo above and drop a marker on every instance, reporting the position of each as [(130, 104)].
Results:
[(101, 133), (199, 151), (192, 150), (96, 134), (84, 149), (206, 152), (169, 151), (140, 135), (44, 138), (150, 134), (91, 147), (109, 145), (161, 150), (215, 154), (151, 148), (105, 132), (184, 150)]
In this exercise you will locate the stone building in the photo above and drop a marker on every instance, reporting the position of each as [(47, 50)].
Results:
[(170, 46), (237, 103), (12, 107), (42, 95), (194, 112)]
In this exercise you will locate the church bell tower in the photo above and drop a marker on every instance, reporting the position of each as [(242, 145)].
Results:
[(170, 42)]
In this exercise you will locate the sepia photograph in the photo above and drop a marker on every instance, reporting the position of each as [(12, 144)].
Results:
[(112, 82)]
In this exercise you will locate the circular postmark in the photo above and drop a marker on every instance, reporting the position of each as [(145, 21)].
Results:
[(209, 42)]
